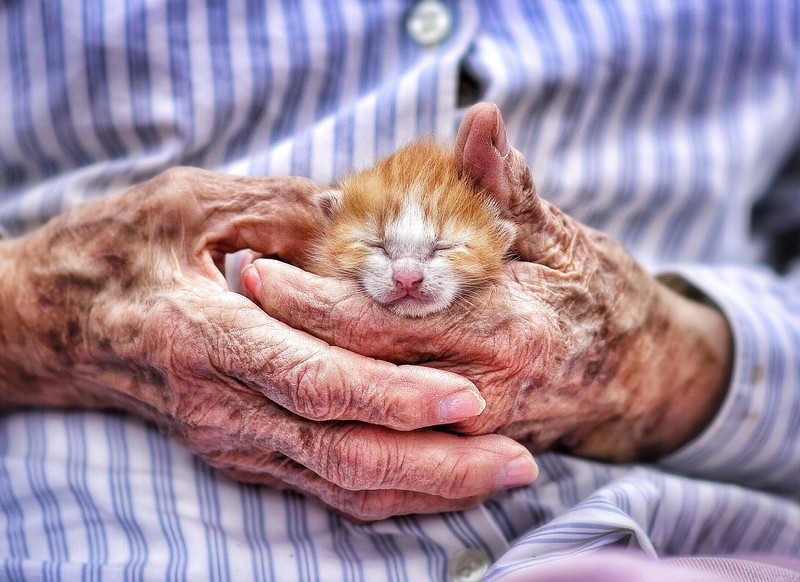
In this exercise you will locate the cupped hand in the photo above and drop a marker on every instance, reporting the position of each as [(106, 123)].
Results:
[(575, 348), (121, 303)]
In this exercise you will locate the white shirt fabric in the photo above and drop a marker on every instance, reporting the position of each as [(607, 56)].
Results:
[(672, 125)]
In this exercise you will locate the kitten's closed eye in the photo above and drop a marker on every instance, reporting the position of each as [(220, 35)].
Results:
[(374, 244), (440, 246), (428, 238)]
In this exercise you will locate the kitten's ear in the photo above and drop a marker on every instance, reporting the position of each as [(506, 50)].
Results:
[(329, 201)]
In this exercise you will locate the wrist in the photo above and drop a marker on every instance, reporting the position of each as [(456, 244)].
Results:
[(38, 330), (691, 364), (19, 379)]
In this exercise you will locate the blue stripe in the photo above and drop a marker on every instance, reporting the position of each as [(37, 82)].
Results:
[(387, 550), (216, 543), (258, 44), (20, 85), (139, 74), (663, 100), (42, 492), (12, 510), (98, 80), (180, 71), (504, 522), (371, 65), (57, 87), (77, 469), (576, 110), (297, 533), (740, 525), (547, 89), (336, 55), (435, 555), (709, 70), (620, 57), (121, 496), (349, 557), (13, 174), (463, 530), (255, 531), (633, 111), (512, 51), (299, 61), (166, 499), (222, 77), (370, 57)]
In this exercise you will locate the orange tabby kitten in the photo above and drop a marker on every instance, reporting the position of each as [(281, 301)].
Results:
[(415, 233)]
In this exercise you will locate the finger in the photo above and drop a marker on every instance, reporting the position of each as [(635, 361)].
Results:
[(322, 382), (276, 470), (483, 153), (355, 505), (365, 458), (481, 148), (339, 314), (273, 216), (546, 235), (357, 457)]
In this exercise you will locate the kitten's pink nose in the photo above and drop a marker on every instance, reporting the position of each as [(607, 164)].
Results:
[(407, 275)]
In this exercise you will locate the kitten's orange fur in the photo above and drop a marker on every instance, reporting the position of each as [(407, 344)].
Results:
[(413, 207)]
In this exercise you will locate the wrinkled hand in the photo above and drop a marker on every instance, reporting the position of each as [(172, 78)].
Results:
[(575, 348), (121, 303)]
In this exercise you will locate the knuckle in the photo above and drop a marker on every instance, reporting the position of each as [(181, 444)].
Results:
[(207, 421), (178, 347), (348, 319), (456, 481), (359, 322), (319, 392), (169, 204), (175, 186), (166, 189), (359, 462), (300, 190), (177, 178), (404, 412)]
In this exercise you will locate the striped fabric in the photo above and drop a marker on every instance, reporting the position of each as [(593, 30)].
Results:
[(671, 124)]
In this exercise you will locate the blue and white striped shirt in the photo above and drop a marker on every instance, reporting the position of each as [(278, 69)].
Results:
[(673, 125)]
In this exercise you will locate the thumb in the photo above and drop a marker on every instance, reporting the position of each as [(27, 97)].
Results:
[(483, 154)]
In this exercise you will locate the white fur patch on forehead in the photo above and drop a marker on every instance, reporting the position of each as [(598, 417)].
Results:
[(411, 233)]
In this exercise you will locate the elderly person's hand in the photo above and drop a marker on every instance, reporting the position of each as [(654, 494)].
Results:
[(121, 303), (575, 348)]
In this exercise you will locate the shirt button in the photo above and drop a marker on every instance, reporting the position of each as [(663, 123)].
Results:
[(429, 22), (468, 565)]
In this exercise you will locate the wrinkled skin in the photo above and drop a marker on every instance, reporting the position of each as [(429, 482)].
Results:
[(120, 303), (576, 348)]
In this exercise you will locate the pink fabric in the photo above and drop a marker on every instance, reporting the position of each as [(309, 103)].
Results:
[(745, 568), (616, 566)]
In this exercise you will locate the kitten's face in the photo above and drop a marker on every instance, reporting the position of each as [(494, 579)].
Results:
[(414, 267), (413, 234)]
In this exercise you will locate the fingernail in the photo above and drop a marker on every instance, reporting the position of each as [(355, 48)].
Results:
[(500, 137), (252, 280), (517, 472), (461, 405)]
